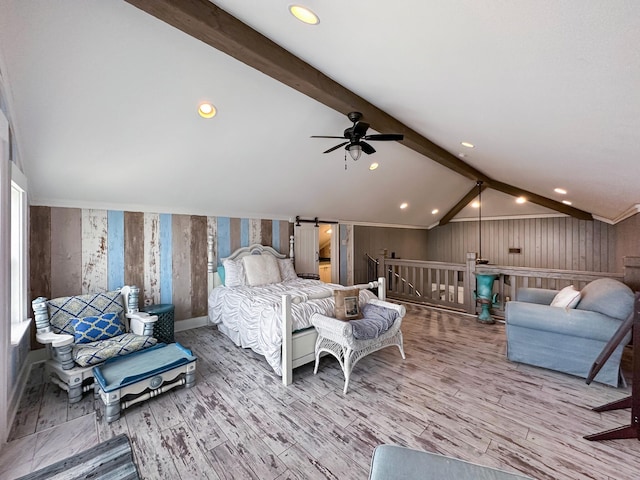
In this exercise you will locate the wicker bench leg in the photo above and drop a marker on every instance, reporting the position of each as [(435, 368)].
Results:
[(400, 344)]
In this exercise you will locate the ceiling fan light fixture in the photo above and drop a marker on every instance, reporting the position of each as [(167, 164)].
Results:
[(304, 14), (206, 110), (355, 151)]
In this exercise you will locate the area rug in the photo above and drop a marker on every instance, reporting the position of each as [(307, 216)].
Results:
[(111, 460)]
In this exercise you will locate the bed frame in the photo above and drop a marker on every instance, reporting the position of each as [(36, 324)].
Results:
[(298, 348)]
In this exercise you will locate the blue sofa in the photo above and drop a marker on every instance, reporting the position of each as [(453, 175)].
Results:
[(569, 340), (391, 462)]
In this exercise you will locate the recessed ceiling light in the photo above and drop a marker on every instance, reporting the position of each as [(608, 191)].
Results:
[(373, 166), (521, 200), (462, 155), (475, 204), (206, 110), (404, 205), (561, 191), (566, 202), (467, 144), (304, 14), (434, 211)]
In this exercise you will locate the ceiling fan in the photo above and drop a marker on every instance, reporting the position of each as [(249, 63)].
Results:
[(355, 136)]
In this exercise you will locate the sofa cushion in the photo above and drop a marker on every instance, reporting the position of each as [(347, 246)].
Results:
[(96, 328), (86, 354), (607, 296), (568, 297), (63, 309)]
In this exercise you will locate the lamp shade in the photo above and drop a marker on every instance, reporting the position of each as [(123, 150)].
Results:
[(355, 151)]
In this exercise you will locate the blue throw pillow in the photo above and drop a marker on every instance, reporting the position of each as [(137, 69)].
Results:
[(92, 329)]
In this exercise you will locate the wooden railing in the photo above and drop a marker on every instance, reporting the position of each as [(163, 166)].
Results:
[(434, 283), (452, 285)]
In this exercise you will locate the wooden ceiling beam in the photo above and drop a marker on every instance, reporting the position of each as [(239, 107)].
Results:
[(208, 23), (540, 200), (447, 217)]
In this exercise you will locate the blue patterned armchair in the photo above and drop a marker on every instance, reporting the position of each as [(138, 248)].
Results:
[(83, 331)]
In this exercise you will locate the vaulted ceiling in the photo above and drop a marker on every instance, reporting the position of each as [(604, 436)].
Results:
[(103, 98)]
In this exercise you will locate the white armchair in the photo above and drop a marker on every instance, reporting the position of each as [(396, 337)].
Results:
[(83, 331)]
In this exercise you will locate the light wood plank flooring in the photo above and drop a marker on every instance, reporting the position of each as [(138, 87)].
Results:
[(455, 394)]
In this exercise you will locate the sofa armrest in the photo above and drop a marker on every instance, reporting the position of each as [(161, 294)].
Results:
[(564, 321), (541, 296), (141, 323), (56, 340)]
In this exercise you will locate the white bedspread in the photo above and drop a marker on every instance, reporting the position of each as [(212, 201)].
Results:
[(255, 312)]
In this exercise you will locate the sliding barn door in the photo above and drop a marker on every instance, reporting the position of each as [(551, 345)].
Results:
[(307, 249)]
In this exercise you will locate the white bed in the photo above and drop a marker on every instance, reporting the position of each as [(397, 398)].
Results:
[(272, 319)]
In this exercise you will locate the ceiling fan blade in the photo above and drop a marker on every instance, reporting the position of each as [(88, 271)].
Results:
[(384, 136), (366, 148), (360, 128), (323, 136), (336, 147)]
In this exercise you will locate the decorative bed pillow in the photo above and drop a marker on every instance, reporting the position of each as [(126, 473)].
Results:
[(568, 297), (287, 271), (347, 304), (234, 273), (261, 270), (221, 274), (92, 329)]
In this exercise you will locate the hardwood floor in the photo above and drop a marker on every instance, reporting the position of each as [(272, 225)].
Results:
[(455, 394)]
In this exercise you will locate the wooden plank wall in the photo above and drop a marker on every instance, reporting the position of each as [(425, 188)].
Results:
[(627, 240), (562, 243), (405, 242), (75, 251)]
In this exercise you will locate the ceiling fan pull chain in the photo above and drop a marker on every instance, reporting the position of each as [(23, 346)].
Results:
[(345, 159)]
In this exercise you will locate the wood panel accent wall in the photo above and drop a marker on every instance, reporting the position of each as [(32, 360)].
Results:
[(562, 242), (628, 239), (405, 242), (75, 251)]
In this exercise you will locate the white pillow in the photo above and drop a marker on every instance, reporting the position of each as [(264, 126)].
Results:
[(261, 269), (287, 271), (568, 297), (234, 275)]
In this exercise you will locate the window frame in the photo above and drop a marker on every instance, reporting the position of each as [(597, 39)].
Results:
[(19, 254)]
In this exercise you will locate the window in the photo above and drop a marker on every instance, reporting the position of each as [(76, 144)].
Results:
[(18, 254)]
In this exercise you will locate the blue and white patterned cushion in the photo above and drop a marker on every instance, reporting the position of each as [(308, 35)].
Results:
[(86, 354), (93, 329), (63, 309)]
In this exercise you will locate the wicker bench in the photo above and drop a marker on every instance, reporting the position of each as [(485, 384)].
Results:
[(336, 337)]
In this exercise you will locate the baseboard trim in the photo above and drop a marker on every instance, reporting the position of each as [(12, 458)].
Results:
[(33, 357), (189, 323)]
